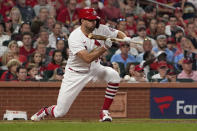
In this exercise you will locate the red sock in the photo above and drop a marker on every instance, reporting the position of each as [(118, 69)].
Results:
[(109, 95)]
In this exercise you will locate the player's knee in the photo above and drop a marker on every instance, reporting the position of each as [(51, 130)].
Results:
[(115, 77)]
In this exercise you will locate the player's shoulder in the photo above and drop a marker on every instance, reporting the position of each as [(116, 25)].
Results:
[(104, 28), (75, 33)]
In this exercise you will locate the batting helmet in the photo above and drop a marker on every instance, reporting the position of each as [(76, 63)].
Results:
[(89, 14)]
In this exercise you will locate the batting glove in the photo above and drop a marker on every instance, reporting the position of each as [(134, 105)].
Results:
[(108, 43), (127, 39)]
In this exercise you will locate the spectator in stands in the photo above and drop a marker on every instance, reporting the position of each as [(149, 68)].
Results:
[(43, 15), (8, 27), (36, 58), (14, 49), (140, 23), (129, 73), (141, 31), (138, 75), (180, 21), (6, 57), (171, 45), (170, 29), (43, 37), (61, 45), (10, 74), (27, 48), (160, 28), (147, 47), (150, 13), (33, 72), (56, 60), (69, 15), (165, 18), (57, 32), (42, 49), (50, 23), (188, 8), (188, 51), (25, 27), (3, 37), (162, 69), (36, 26), (27, 12), (160, 56), (131, 24), (21, 74), (122, 25), (187, 72), (111, 11), (162, 46), (151, 31), (135, 9), (6, 6), (171, 76), (124, 57), (116, 67), (16, 17), (194, 2), (178, 34), (192, 33), (41, 4)]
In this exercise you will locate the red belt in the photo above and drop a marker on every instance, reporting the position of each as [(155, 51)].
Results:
[(75, 70)]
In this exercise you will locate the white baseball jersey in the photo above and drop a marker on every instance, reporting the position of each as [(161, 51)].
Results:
[(78, 41)]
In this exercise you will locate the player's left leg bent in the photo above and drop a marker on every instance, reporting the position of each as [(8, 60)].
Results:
[(113, 79)]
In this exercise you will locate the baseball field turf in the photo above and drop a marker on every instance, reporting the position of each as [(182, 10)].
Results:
[(116, 125)]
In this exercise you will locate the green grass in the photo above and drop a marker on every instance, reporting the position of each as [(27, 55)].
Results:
[(116, 125)]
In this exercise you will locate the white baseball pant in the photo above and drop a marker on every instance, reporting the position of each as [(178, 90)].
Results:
[(74, 82)]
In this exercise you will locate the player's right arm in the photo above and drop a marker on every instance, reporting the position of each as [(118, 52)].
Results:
[(78, 48), (88, 57)]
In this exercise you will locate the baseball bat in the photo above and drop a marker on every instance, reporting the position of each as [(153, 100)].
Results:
[(101, 37)]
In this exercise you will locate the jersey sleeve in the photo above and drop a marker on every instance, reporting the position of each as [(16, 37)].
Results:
[(75, 44), (108, 31)]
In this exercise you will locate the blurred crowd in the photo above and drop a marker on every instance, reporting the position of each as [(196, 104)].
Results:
[(34, 34)]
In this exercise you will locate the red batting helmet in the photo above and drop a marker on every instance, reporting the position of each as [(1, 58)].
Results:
[(89, 14)]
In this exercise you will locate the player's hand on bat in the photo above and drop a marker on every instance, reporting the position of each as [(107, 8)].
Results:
[(108, 43), (127, 39)]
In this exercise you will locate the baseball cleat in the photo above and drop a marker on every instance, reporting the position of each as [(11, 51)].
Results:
[(39, 115), (105, 116)]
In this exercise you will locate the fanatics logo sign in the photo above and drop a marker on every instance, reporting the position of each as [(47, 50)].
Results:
[(173, 103), (163, 102)]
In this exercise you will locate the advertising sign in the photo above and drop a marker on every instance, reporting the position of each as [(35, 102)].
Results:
[(173, 103)]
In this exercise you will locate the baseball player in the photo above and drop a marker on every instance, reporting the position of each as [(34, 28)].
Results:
[(83, 65)]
